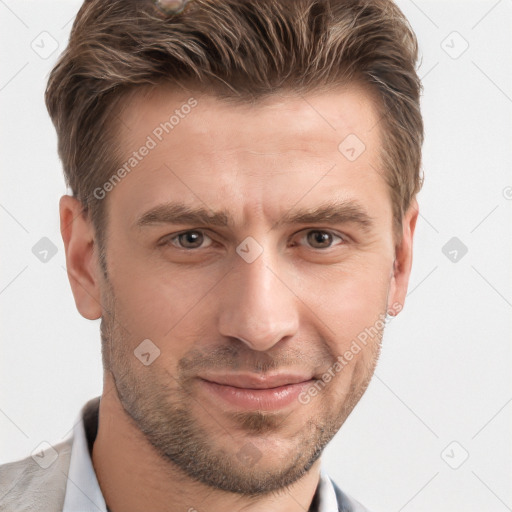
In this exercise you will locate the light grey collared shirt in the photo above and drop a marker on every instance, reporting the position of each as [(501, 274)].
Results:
[(83, 493)]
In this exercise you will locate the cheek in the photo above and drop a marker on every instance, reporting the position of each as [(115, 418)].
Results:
[(154, 303), (349, 302), (352, 325)]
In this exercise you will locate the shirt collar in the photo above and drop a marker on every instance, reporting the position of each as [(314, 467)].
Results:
[(83, 491)]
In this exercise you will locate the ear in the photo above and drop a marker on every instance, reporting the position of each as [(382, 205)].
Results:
[(403, 261), (81, 257)]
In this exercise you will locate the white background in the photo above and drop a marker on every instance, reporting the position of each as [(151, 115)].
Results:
[(445, 369)]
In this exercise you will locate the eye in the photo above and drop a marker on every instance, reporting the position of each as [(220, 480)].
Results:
[(319, 239), (189, 240)]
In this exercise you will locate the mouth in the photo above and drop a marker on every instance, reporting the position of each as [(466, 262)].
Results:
[(256, 391)]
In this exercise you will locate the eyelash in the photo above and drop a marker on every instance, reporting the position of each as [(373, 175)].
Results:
[(169, 240)]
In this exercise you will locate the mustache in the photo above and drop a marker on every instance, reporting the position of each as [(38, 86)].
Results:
[(230, 357)]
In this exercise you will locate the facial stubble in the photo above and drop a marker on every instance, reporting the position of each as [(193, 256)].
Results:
[(163, 407)]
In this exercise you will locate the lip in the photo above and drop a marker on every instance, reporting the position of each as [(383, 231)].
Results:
[(248, 392), (253, 381)]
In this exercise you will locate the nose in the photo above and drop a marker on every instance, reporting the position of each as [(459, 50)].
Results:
[(257, 305)]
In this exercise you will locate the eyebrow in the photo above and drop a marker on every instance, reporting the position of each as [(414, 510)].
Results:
[(179, 213), (338, 212)]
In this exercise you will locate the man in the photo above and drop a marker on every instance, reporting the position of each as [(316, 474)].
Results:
[(244, 178)]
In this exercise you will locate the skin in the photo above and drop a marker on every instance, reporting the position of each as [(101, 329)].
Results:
[(296, 307)]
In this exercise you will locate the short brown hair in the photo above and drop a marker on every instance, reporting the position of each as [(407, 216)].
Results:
[(236, 49)]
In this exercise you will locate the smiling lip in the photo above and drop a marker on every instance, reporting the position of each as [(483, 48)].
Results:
[(257, 392)]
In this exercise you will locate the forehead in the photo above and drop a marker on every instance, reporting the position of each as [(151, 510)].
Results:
[(323, 145), (326, 116)]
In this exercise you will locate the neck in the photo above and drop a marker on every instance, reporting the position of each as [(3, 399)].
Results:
[(133, 476)]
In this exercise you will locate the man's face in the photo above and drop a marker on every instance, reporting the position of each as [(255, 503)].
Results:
[(261, 292)]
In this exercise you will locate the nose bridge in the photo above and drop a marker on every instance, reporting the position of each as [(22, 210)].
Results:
[(256, 306)]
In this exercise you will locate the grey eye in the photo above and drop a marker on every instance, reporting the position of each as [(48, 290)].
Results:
[(320, 239), (190, 240)]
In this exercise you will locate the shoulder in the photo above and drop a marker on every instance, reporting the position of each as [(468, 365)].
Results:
[(345, 502), (36, 483)]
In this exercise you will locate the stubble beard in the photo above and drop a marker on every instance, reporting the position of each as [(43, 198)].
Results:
[(159, 406)]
